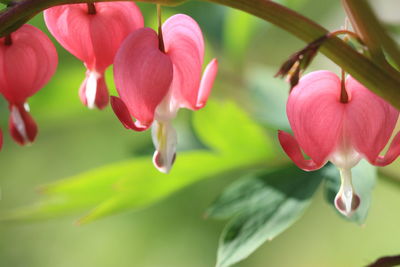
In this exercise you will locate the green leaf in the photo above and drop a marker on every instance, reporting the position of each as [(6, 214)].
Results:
[(269, 96), (135, 183), (262, 205), (225, 128), (364, 178), (148, 185)]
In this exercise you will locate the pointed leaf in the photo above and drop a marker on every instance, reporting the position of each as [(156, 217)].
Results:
[(263, 205)]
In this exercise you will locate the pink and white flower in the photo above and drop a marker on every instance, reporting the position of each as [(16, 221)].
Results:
[(342, 132), (93, 34), (154, 84), (28, 59)]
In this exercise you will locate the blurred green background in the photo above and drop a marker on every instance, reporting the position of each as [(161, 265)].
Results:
[(173, 233)]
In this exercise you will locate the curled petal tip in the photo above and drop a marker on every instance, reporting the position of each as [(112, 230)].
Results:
[(124, 115), (206, 83), (23, 128), (292, 149), (391, 155), (161, 164)]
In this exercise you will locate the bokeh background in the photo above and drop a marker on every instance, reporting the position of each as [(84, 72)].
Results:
[(173, 233)]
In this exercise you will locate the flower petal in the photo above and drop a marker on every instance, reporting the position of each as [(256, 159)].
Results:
[(392, 153), (369, 119), (165, 140), (184, 43), (93, 91), (93, 38), (206, 83), (143, 74), (22, 127), (123, 114), (292, 149), (346, 200), (27, 64), (316, 114)]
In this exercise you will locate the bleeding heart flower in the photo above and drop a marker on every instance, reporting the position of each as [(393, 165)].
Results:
[(157, 75), (93, 33), (341, 123), (28, 59)]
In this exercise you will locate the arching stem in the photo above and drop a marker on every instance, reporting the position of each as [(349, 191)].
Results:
[(91, 8), (8, 40), (160, 34), (344, 97)]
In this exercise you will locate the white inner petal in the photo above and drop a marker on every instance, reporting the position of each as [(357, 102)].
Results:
[(26, 107), (19, 123), (91, 88), (346, 189), (167, 109), (345, 158), (165, 140)]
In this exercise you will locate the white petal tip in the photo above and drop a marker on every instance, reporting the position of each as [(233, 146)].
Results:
[(91, 89), (347, 205), (160, 164)]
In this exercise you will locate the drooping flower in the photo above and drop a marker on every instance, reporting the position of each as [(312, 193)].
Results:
[(28, 59), (93, 33), (341, 123), (156, 76)]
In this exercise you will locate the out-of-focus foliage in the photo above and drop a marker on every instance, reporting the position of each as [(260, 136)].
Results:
[(136, 183), (239, 29), (269, 96)]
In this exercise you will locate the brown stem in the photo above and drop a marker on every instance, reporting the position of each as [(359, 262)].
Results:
[(344, 97), (8, 40), (352, 34), (160, 34), (91, 8)]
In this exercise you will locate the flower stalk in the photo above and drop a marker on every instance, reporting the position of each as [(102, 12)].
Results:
[(91, 8), (371, 31)]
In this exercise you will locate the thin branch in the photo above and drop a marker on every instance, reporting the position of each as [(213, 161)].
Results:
[(371, 30), (388, 261), (359, 66)]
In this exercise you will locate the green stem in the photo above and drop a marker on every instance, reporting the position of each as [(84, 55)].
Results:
[(375, 77), (371, 30), (360, 67)]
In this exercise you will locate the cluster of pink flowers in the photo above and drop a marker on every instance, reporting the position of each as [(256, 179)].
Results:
[(156, 74)]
